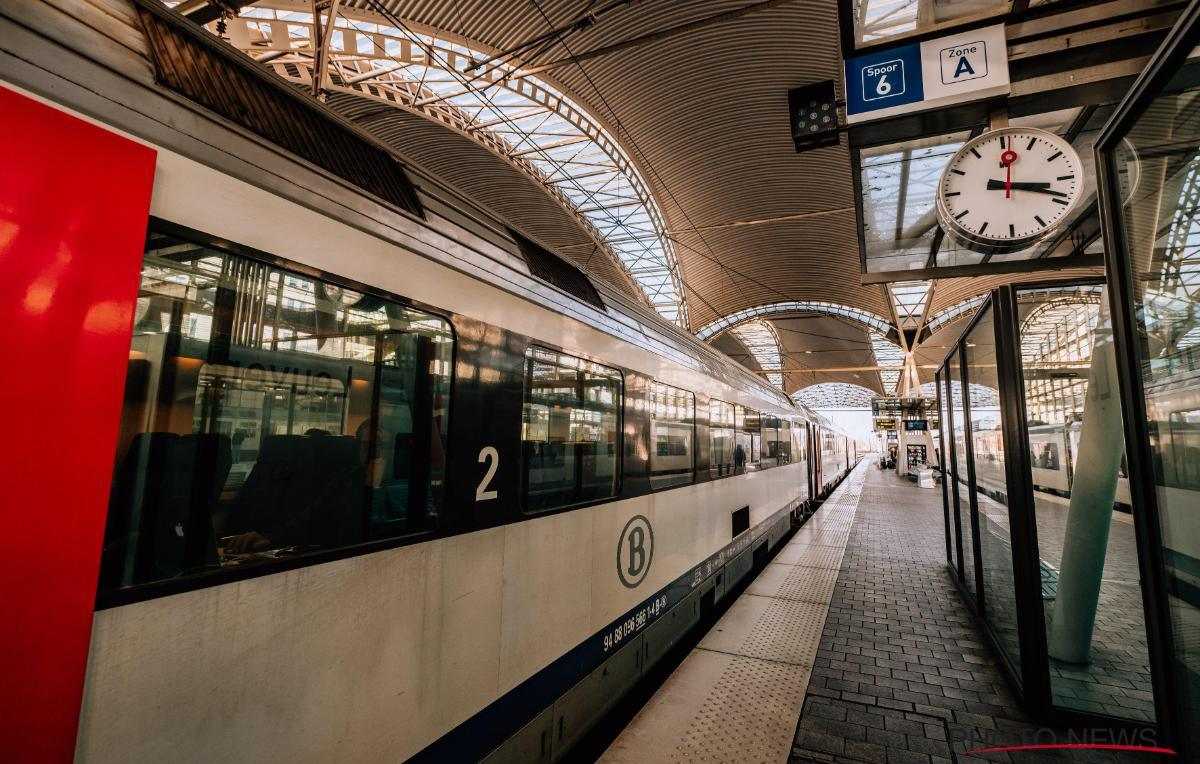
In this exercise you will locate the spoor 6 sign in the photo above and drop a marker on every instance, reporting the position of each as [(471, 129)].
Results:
[(883, 80)]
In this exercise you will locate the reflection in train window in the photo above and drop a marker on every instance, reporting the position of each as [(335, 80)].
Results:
[(747, 444), (672, 431), (768, 441), (720, 431), (783, 451), (569, 430), (1183, 450), (776, 442), (1045, 456), (799, 441), (269, 415)]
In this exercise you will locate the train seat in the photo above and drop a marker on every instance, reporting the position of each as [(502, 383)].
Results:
[(305, 491), (164, 493)]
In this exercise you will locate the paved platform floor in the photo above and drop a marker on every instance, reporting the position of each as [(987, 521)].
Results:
[(902, 673), (852, 645), (737, 697)]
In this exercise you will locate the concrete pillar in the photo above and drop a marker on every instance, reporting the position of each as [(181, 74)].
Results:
[(1089, 518)]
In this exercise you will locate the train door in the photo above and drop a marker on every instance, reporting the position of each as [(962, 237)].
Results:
[(819, 458), (814, 459)]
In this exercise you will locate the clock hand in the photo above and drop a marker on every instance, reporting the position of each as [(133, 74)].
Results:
[(1006, 161), (1040, 187)]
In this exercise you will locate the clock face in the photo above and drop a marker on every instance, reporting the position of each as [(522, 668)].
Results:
[(1006, 189)]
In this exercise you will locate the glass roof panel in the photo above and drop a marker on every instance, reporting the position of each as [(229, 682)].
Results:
[(890, 358), (881, 20), (518, 116), (835, 395), (866, 318), (761, 339), (909, 299), (946, 315)]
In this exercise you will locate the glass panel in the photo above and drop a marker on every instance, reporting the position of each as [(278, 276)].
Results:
[(720, 433), (569, 430), (1158, 166), (269, 415), (991, 499), (769, 442), (672, 429), (1075, 448), (1159, 173), (961, 488), (944, 464), (880, 20)]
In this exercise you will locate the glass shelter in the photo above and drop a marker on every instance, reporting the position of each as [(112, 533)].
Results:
[(1039, 524)]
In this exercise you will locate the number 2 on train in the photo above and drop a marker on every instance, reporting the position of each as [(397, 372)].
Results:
[(491, 456)]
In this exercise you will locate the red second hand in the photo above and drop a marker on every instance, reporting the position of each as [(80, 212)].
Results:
[(1007, 159)]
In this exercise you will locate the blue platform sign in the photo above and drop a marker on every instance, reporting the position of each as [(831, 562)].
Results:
[(964, 66), (884, 79)]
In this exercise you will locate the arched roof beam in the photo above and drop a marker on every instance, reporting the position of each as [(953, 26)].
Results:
[(861, 318), (835, 395), (520, 118), (968, 306)]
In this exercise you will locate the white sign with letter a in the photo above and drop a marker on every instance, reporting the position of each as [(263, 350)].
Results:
[(965, 66)]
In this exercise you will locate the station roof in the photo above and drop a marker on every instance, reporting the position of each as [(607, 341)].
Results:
[(649, 143)]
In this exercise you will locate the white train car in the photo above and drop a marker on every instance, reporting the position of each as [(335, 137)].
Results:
[(381, 490)]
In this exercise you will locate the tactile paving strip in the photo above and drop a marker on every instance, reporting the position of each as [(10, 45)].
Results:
[(749, 716), (810, 585), (832, 538), (811, 556), (789, 632)]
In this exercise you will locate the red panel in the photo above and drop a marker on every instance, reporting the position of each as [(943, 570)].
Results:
[(74, 200)]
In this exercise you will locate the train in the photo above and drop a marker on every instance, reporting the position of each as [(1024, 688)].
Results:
[(1052, 448), (378, 477)]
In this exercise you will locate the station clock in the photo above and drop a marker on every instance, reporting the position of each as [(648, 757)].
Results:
[(1006, 189)]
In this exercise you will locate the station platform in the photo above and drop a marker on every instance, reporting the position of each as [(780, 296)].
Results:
[(852, 645), (739, 694)]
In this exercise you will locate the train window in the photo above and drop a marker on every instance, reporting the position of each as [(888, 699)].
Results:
[(783, 451), (720, 431), (1183, 467), (748, 441), (569, 431), (672, 434), (768, 441), (776, 441), (269, 415)]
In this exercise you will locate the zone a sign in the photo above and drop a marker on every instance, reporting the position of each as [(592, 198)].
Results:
[(963, 62), (961, 67)]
